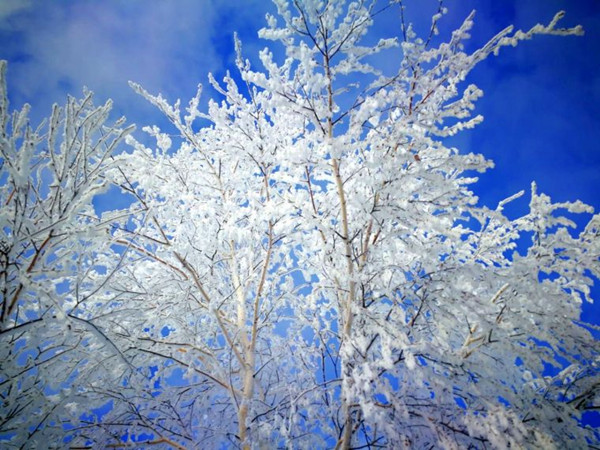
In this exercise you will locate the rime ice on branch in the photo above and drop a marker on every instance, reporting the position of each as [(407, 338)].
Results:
[(53, 249), (313, 269)]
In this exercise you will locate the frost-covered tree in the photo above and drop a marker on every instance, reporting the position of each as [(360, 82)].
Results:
[(310, 268), (433, 315), (51, 245)]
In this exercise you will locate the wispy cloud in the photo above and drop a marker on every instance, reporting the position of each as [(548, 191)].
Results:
[(56, 48), (9, 7)]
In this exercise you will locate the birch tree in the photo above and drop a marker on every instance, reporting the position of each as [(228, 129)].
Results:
[(430, 300), (305, 264), (51, 241)]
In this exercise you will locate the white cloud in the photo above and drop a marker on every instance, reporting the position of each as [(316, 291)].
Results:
[(167, 47), (10, 7)]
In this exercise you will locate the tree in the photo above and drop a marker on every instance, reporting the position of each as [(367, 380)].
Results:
[(310, 267), (51, 265)]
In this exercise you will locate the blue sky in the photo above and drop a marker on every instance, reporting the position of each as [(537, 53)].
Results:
[(541, 103)]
